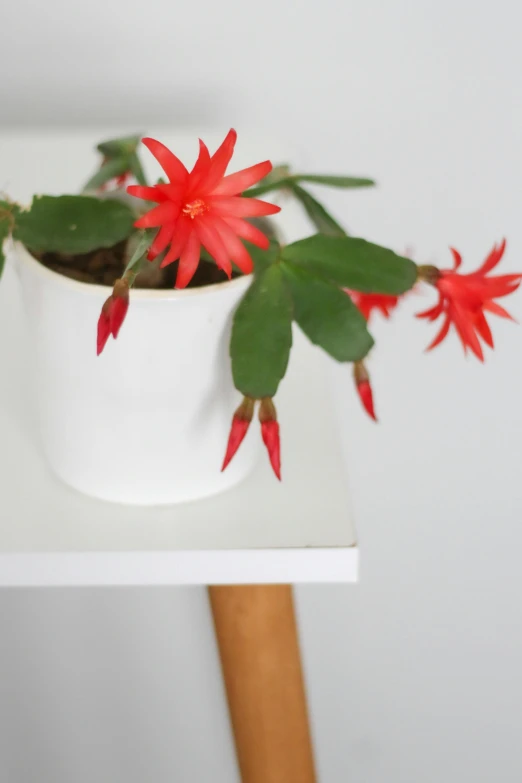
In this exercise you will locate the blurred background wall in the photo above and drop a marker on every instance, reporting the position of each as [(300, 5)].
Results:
[(413, 675)]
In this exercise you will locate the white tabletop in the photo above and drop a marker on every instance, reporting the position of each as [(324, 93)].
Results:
[(262, 531)]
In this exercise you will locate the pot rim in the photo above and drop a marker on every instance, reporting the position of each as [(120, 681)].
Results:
[(30, 261)]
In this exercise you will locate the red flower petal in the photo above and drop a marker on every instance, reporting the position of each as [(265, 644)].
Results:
[(466, 332), (171, 165), (482, 327), (211, 240), (234, 247), (456, 257), (161, 240), (367, 303), (200, 170), (441, 334), (493, 259), (219, 162), (247, 231), (149, 194), (188, 262), (433, 312), (496, 309), (164, 213), (175, 191), (242, 180), (237, 206), (501, 285), (182, 232)]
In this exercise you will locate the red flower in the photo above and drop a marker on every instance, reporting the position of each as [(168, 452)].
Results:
[(240, 424), (383, 303), (203, 207), (465, 299), (113, 314), (364, 389)]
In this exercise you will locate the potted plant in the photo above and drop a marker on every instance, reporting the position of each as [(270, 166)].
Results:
[(214, 293)]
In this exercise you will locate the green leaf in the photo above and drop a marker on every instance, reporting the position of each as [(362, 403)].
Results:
[(137, 170), (139, 244), (335, 181), (262, 335), (8, 211), (328, 316), (267, 187), (280, 177), (73, 224), (321, 219), (115, 148), (109, 170), (353, 263)]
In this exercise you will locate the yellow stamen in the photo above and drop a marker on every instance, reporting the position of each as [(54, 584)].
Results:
[(195, 208)]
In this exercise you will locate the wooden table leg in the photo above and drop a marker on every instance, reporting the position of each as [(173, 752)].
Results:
[(259, 649)]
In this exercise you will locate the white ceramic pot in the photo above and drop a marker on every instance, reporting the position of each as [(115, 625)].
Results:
[(146, 422)]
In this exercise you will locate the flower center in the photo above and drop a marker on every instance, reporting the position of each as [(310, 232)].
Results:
[(194, 208)]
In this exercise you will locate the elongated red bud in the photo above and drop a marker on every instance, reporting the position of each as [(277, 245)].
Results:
[(240, 424), (270, 433), (119, 306), (364, 389), (113, 314), (104, 328)]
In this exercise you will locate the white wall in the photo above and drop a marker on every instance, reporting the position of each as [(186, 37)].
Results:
[(414, 675)]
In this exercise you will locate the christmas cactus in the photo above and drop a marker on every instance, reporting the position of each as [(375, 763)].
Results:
[(329, 283)]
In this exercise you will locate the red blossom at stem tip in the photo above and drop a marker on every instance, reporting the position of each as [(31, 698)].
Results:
[(271, 439), (464, 300), (270, 434), (367, 303), (240, 424), (112, 314), (203, 207), (364, 389)]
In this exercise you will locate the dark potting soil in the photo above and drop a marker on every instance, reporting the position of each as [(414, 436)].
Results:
[(105, 266)]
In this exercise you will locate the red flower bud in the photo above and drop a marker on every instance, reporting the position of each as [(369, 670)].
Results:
[(270, 434), (113, 314), (364, 389), (240, 424), (119, 306), (104, 328)]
